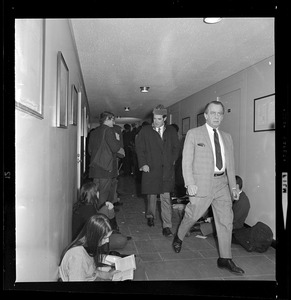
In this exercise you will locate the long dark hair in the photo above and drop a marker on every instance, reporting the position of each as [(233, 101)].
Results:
[(88, 196), (90, 237)]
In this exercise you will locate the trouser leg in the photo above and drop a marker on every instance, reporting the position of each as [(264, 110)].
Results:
[(223, 218), (166, 210), (151, 206), (112, 194), (103, 185), (193, 212)]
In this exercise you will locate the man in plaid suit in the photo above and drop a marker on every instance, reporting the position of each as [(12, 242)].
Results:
[(209, 175)]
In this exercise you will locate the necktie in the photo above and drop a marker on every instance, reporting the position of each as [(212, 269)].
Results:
[(217, 150)]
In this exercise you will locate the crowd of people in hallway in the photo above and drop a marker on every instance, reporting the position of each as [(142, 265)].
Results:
[(198, 168)]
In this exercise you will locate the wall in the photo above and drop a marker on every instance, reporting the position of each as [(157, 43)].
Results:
[(256, 161), (46, 168)]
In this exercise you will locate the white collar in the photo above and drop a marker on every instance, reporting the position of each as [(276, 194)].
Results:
[(210, 129)]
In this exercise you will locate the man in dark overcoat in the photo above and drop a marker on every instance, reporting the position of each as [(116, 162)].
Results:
[(157, 147)]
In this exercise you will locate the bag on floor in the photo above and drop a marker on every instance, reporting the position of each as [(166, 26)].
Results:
[(257, 238)]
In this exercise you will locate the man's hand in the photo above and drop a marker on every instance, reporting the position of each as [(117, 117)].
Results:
[(145, 168), (192, 190), (235, 194)]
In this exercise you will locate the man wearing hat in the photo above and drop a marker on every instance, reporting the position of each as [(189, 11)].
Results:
[(157, 148)]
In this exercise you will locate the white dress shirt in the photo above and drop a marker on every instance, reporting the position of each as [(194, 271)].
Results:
[(161, 130)]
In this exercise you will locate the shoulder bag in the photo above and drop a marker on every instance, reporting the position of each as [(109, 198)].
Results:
[(103, 157)]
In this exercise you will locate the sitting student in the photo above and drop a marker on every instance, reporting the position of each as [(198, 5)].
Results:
[(240, 209), (87, 206), (83, 259)]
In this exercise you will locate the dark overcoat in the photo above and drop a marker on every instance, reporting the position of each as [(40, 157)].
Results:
[(160, 155), (94, 143)]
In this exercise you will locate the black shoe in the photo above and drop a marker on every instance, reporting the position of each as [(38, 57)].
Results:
[(117, 203), (129, 238), (227, 263), (167, 232), (177, 244), (151, 222)]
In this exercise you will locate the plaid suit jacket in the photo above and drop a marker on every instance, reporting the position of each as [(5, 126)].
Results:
[(198, 160)]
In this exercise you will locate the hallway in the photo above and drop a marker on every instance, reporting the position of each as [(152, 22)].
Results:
[(197, 259)]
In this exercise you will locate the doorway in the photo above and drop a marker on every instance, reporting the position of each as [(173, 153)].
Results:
[(230, 123)]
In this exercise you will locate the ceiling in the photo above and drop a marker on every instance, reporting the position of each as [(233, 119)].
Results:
[(175, 57)]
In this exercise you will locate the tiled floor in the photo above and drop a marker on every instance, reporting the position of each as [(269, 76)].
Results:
[(198, 257)]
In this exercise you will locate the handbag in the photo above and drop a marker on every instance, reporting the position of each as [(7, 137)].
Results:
[(103, 157)]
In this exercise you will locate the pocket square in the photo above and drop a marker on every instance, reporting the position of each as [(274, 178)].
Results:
[(201, 145)]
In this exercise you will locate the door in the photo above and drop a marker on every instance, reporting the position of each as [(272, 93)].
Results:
[(231, 121)]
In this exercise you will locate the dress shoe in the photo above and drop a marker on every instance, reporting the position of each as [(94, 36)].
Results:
[(167, 232), (151, 222), (177, 244), (227, 263)]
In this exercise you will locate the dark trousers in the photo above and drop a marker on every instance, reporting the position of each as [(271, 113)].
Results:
[(103, 186)]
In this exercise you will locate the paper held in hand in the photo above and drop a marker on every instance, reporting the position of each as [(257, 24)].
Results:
[(126, 266)]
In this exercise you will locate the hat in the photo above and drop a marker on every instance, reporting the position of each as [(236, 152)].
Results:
[(160, 110)]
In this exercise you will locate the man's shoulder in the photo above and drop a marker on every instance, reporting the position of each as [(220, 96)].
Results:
[(147, 128), (197, 130)]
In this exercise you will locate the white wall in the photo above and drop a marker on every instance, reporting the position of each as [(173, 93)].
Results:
[(256, 162), (46, 169)]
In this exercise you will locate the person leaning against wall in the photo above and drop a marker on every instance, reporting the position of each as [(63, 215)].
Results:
[(103, 178), (209, 175), (113, 195)]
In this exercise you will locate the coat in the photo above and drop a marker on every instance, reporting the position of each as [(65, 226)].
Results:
[(94, 143), (160, 155), (198, 160)]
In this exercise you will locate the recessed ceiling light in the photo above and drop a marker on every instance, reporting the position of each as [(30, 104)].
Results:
[(211, 20), (144, 89)]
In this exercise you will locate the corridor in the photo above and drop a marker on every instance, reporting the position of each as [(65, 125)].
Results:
[(197, 259)]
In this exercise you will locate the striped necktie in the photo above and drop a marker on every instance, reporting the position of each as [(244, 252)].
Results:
[(217, 150)]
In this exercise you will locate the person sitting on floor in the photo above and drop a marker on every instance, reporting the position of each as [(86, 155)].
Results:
[(88, 206), (83, 259), (240, 209)]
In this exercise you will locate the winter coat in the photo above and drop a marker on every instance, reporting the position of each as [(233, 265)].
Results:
[(160, 155), (94, 143)]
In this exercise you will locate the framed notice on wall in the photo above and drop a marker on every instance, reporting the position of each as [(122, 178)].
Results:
[(29, 65), (62, 91), (264, 113)]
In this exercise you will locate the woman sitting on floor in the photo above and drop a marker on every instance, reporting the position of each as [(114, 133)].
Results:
[(88, 206), (83, 259)]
